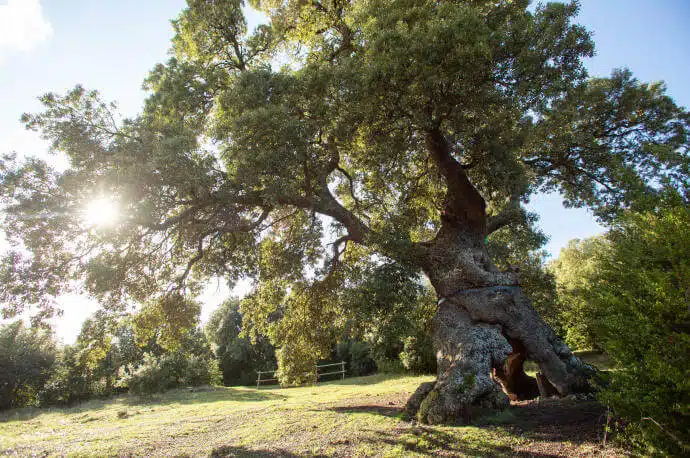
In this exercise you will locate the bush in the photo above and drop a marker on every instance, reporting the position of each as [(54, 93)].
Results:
[(157, 374), (418, 355), (357, 357), (68, 382), (201, 371), (152, 376), (643, 321), (389, 366), (634, 295)]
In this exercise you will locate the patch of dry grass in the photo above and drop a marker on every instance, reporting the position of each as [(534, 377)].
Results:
[(355, 417)]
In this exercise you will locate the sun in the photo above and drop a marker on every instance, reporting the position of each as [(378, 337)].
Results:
[(101, 212)]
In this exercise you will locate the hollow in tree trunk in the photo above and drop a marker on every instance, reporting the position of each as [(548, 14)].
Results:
[(484, 329)]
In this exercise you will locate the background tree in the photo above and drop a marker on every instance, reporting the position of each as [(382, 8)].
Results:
[(385, 303), (413, 129), (631, 290), (238, 357), (26, 358), (574, 270)]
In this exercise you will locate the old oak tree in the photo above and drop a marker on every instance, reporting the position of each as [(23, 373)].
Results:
[(337, 134)]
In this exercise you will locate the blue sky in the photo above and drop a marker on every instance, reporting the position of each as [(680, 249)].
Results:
[(109, 45)]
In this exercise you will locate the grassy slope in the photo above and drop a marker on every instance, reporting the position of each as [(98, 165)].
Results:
[(355, 417)]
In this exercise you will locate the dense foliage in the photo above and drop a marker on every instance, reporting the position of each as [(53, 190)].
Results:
[(644, 323), (108, 357), (158, 374), (238, 357), (26, 358), (574, 269), (629, 296)]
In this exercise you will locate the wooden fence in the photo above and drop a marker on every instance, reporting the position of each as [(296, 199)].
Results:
[(273, 378)]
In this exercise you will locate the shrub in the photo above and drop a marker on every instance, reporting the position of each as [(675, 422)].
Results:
[(642, 322), (68, 382), (418, 355), (152, 376), (201, 371), (389, 366), (634, 296), (357, 357), (157, 374)]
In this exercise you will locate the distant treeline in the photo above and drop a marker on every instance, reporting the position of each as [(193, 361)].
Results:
[(110, 357)]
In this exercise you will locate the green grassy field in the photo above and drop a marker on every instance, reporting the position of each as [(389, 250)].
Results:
[(355, 417)]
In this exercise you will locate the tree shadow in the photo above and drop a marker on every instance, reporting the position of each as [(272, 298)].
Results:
[(428, 441), (184, 396), (386, 411), (547, 422), (176, 396), (243, 452), (551, 420)]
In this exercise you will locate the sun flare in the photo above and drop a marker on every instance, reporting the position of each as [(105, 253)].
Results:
[(101, 212)]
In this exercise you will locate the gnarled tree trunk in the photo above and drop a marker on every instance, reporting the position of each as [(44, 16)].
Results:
[(483, 331)]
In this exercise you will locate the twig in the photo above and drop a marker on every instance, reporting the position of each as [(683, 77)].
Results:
[(606, 426), (669, 433)]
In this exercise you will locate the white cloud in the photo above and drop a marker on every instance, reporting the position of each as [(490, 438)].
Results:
[(22, 26)]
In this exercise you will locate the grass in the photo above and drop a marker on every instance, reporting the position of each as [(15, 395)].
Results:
[(355, 417)]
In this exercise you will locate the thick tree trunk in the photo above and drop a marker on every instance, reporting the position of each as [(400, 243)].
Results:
[(483, 331)]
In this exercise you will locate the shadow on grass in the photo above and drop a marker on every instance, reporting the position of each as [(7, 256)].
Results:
[(551, 420), (430, 441), (364, 380), (232, 451), (177, 396), (386, 411), (220, 394)]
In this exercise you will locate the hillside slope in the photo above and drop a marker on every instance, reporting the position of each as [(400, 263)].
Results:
[(355, 417)]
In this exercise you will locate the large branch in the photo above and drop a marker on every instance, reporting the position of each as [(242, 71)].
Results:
[(510, 214), (228, 203), (328, 205), (464, 207)]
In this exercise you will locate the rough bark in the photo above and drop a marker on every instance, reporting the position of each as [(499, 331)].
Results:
[(466, 352), (485, 328)]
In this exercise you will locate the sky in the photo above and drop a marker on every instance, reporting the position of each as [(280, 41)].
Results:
[(110, 45)]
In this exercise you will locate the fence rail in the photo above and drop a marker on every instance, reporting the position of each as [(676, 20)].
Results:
[(273, 377)]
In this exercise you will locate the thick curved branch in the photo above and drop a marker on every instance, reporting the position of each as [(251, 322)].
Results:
[(352, 185), (332, 264), (327, 205), (510, 214), (464, 207)]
